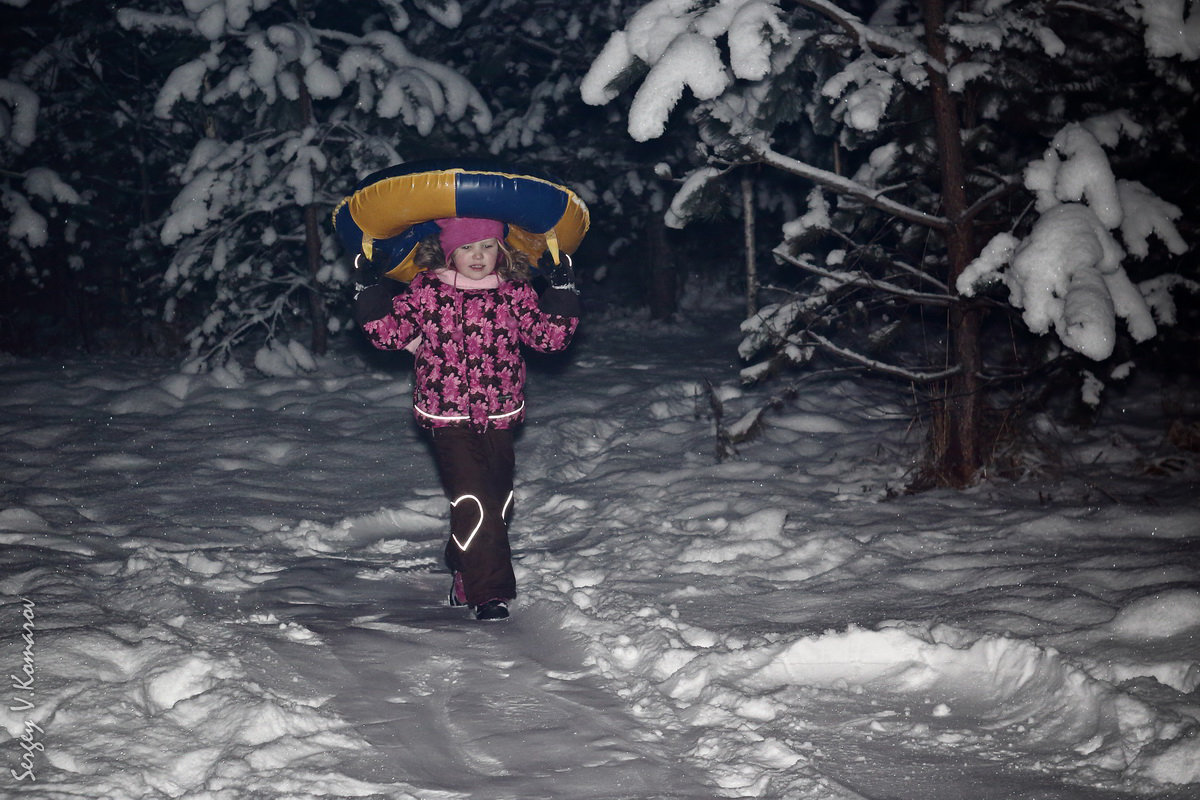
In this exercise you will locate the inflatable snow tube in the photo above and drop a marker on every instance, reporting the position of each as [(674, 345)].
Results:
[(391, 210)]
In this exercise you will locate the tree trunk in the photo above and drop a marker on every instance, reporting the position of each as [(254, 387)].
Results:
[(748, 238), (317, 316), (664, 279), (956, 435), (316, 304)]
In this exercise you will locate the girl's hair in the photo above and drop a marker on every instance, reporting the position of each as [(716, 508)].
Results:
[(513, 265)]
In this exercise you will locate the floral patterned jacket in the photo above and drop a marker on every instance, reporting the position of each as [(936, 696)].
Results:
[(469, 368)]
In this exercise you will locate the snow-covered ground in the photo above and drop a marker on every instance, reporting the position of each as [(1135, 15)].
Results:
[(228, 586)]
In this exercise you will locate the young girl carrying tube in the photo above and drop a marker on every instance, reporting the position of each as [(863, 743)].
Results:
[(465, 318)]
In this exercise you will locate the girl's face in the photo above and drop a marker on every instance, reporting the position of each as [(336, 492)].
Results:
[(477, 259)]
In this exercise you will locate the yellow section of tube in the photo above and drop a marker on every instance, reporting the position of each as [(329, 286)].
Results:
[(392, 206)]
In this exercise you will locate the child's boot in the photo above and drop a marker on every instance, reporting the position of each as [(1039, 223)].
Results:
[(492, 610)]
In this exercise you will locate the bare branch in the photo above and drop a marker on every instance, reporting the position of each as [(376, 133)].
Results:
[(863, 279), (1009, 185), (856, 29), (1121, 21), (874, 364), (922, 275), (849, 188)]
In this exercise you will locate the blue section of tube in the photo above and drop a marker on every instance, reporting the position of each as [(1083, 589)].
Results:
[(530, 204)]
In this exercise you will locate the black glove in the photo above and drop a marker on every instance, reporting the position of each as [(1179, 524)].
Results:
[(366, 273), (372, 292), (562, 274), (562, 298)]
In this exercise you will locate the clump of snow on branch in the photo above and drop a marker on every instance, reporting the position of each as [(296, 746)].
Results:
[(678, 41), (962, 74), (19, 125), (1051, 44), (394, 83), (750, 34), (863, 107), (184, 83), (1091, 390), (772, 322), (992, 28), (878, 164), (1076, 168), (304, 158), (691, 61), (1146, 213), (816, 218), (1158, 294), (280, 360), (1067, 273), (1061, 275), (677, 215), (982, 32), (207, 190), (24, 223), (447, 13), (47, 185), (1168, 33)]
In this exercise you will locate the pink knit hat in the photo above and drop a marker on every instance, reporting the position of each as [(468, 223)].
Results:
[(457, 231)]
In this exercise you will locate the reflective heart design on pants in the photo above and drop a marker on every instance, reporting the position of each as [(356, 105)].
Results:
[(479, 524)]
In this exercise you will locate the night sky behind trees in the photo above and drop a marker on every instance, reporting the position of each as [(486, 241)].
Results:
[(169, 168)]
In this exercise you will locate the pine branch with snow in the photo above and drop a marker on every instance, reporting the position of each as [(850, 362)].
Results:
[(1067, 274), (866, 118)]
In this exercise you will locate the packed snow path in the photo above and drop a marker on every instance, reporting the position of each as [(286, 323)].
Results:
[(229, 586)]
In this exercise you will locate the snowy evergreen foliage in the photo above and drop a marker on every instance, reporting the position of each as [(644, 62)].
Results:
[(1000, 148), (1067, 273), (290, 100), (18, 129), (217, 137), (72, 203)]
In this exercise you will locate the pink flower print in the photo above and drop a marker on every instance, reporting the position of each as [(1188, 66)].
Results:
[(475, 309), (452, 390), (475, 346)]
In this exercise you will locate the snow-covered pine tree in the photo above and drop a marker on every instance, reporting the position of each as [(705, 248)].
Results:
[(919, 133), (285, 98), (75, 133)]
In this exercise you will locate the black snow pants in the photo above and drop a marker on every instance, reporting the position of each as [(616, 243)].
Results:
[(476, 470)]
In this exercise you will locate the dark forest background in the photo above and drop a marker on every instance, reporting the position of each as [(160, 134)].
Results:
[(168, 170)]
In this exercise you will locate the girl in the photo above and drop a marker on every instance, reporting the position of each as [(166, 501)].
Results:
[(465, 318)]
